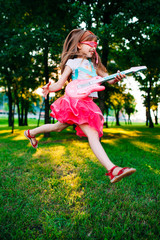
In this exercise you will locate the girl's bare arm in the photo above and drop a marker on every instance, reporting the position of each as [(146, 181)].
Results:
[(118, 78), (54, 87)]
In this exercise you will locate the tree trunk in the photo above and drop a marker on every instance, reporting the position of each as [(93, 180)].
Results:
[(149, 103), (102, 101), (13, 111), (129, 119), (117, 118), (46, 74), (22, 111), (18, 110), (156, 117), (25, 117), (147, 119), (10, 100), (106, 117), (150, 122), (102, 94), (156, 120)]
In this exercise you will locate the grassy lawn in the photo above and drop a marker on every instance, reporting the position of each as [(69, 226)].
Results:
[(60, 190)]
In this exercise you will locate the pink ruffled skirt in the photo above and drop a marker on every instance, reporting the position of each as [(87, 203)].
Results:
[(78, 112)]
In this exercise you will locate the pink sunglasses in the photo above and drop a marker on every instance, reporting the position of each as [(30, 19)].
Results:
[(90, 43)]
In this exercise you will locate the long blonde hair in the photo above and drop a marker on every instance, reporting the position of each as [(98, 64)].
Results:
[(70, 48)]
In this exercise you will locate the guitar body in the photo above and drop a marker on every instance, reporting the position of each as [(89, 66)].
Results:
[(74, 90)]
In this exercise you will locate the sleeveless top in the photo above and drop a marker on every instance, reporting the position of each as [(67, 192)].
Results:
[(82, 69)]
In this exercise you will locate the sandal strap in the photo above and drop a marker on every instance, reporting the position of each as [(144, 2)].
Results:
[(122, 170), (34, 145), (110, 172), (29, 134), (119, 173)]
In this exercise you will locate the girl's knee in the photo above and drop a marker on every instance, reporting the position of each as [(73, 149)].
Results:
[(60, 126), (90, 132), (93, 136), (58, 130)]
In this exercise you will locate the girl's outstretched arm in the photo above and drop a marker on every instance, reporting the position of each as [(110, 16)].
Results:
[(54, 87), (118, 78)]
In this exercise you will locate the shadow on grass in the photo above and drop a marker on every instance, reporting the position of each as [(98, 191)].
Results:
[(60, 190)]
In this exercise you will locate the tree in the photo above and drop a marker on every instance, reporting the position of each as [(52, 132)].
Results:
[(17, 74), (128, 32), (117, 102), (155, 101), (29, 29), (141, 41), (129, 106)]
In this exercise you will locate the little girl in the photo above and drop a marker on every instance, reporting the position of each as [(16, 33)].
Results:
[(80, 60)]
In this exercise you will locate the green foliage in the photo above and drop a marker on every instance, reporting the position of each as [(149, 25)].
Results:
[(30, 39), (32, 35), (129, 105), (129, 33)]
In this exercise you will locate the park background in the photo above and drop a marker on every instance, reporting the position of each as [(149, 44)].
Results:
[(60, 190)]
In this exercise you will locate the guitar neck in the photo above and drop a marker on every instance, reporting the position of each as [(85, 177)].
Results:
[(111, 77)]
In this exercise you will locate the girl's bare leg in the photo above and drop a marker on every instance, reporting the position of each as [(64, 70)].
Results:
[(93, 139), (56, 127)]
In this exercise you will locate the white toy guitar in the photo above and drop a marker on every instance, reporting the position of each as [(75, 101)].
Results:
[(82, 88)]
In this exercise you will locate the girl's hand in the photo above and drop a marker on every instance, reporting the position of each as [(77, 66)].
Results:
[(119, 77), (45, 90)]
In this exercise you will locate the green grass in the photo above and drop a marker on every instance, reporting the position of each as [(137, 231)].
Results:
[(60, 190)]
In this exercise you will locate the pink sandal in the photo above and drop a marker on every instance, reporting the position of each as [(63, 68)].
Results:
[(27, 135), (124, 172)]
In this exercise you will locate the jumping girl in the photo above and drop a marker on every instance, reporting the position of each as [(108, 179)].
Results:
[(80, 60)]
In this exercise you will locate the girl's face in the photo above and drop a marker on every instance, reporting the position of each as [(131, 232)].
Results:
[(87, 48)]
